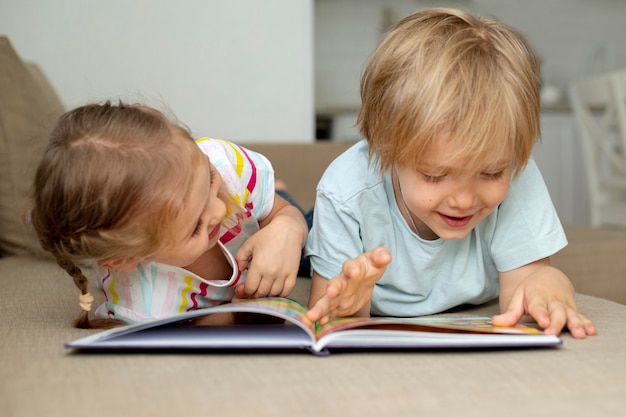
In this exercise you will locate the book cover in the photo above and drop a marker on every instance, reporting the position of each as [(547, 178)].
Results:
[(281, 323)]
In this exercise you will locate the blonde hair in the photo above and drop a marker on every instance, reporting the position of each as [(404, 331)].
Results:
[(111, 181), (447, 71)]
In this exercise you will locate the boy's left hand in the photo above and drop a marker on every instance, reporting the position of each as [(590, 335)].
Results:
[(545, 294)]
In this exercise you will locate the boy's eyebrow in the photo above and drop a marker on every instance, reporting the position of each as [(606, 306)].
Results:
[(501, 163)]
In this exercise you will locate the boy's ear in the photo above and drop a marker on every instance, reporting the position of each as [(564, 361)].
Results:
[(118, 264)]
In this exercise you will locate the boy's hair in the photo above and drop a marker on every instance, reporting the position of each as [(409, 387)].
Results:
[(446, 71), (111, 180)]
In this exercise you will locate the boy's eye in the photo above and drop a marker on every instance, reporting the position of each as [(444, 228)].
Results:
[(433, 178), (492, 175)]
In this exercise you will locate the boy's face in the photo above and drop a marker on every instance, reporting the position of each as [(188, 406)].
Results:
[(444, 200)]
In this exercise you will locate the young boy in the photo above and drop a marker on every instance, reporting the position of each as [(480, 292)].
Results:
[(444, 184)]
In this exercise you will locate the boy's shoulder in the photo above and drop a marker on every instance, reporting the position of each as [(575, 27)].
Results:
[(351, 173), (354, 158)]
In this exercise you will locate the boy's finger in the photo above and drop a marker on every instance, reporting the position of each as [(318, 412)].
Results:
[(320, 309), (336, 286), (513, 313), (558, 317), (379, 257), (547, 317)]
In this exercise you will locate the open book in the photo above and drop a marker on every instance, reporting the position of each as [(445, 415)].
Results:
[(281, 323)]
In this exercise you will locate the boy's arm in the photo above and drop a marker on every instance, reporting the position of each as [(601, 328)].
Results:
[(546, 294), (350, 292)]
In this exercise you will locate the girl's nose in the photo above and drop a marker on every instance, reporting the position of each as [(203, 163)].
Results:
[(218, 210)]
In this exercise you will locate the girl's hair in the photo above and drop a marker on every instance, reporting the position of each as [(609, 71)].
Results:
[(446, 71), (111, 181)]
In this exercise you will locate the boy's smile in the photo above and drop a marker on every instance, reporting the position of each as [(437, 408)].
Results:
[(456, 221)]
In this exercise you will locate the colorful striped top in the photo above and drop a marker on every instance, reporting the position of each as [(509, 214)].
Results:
[(154, 290)]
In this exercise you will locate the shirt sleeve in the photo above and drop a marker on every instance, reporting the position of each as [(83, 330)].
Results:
[(527, 225), (340, 207), (328, 247), (247, 175)]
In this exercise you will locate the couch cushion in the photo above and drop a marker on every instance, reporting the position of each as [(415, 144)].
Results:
[(28, 108), (594, 261)]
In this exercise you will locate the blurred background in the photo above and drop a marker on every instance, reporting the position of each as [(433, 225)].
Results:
[(238, 69), (571, 37), (288, 70)]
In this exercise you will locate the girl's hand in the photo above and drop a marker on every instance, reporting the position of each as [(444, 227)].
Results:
[(273, 253), (350, 292), (545, 294)]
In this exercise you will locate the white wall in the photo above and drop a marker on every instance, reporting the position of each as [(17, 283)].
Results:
[(237, 69)]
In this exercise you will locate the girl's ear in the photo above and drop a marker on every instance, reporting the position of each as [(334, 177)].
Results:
[(118, 264)]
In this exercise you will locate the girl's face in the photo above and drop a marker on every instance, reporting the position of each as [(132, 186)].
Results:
[(443, 200), (198, 226)]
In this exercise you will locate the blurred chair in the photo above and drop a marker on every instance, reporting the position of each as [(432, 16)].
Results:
[(599, 103)]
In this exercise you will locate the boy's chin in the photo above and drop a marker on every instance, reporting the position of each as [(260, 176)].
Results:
[(453, 234)]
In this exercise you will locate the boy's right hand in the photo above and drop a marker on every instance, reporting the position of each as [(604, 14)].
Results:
[(350, 292)]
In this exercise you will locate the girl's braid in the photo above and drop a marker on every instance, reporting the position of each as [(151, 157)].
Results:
[(85, 298)]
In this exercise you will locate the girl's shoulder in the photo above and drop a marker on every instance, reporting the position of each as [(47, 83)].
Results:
[(222, 151)]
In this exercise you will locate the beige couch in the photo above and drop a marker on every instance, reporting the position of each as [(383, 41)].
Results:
[(39, 377)]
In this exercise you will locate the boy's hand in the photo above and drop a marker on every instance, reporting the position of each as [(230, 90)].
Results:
[(349, 292), (547, 295)]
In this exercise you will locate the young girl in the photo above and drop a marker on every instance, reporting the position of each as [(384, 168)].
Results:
[(444, 184), (173, 224)]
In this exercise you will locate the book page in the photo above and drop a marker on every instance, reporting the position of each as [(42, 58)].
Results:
[(286, 308), (473, 325), (423, 324)]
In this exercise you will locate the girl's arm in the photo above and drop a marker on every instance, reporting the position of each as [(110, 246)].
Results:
[(546, 294), (283, 208)]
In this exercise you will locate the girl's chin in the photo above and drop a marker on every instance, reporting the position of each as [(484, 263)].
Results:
[(212, 243)]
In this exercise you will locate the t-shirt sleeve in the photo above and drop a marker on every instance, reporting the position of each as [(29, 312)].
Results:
[(527, 225), (333, 238), (343, 200), (247, 175)]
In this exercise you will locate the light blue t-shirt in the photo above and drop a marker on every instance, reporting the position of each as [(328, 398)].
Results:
[(355, 211)]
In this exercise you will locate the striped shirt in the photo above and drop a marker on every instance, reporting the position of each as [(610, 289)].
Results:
[(155, 290)]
